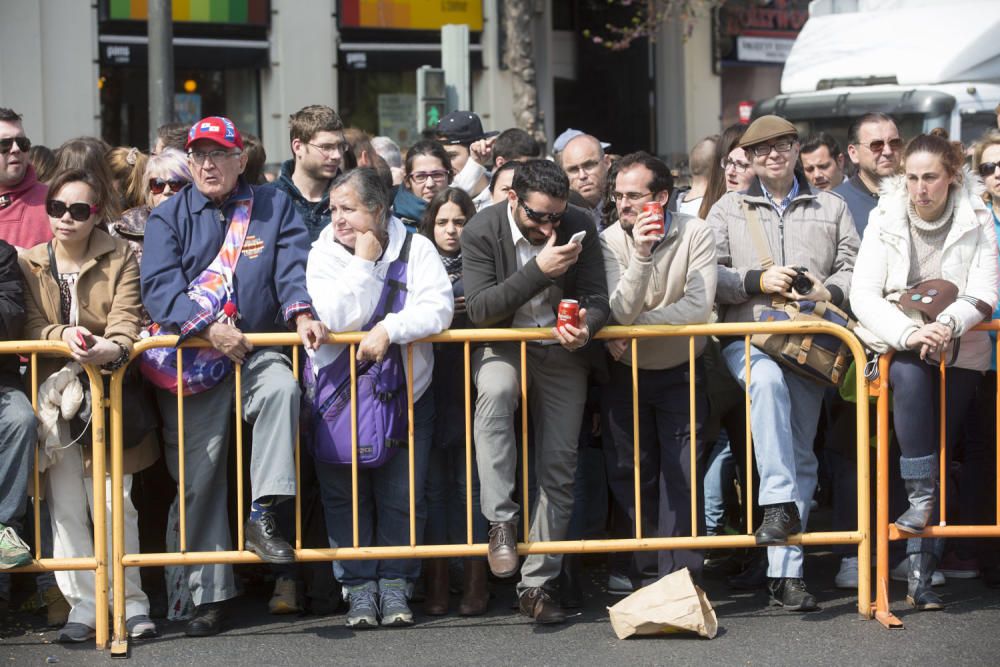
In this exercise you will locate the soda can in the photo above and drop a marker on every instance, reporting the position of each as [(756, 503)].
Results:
[(568, 313), (655, 208)]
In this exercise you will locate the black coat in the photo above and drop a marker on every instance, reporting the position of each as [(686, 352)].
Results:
[(12, 313)]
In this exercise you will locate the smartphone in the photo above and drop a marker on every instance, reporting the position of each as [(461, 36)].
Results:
[(578, 237), (86, 341)]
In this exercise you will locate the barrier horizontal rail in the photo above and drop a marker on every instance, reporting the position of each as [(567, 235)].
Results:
[(885, 530), (98, 562), (468, 337)]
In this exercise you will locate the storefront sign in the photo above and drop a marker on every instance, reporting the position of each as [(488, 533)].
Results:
[(246, 12), (397, 118), (410, 14), (763, 49)]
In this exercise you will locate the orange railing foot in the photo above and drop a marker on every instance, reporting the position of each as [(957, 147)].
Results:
[(888, 620)]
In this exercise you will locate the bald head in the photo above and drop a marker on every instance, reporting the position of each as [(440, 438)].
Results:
[(585, 163), (702, 156)]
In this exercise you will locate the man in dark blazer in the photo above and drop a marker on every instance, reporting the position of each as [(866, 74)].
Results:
[(518, 263)]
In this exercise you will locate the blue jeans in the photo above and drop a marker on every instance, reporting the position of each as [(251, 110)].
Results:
[(719, 473), (383, 505), (784, 413), (446, 498), (18, 433)]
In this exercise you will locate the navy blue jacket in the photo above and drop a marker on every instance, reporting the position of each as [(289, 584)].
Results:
[(859, 200), (315, 214), (183, 236)]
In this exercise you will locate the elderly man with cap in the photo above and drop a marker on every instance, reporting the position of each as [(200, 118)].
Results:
[(462, 134), (802, 228), (255, 240)]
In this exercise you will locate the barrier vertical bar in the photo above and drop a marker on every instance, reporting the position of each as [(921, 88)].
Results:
[(36, 474), (100, 513), (996, 389), (882, 613), (240, 542), (410, 412), (749, 453), (637, 487), (181, 485), (119, 638), (298, 459), (863, 450), (352, 350), (524, 437), (943, 446), (468, 441), (692, 440)]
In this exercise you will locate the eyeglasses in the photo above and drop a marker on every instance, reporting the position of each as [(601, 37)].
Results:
[(217, 156), (738, 167), (543, 218), (988, 168), (878, 145), (631, 196), (81, 211), (157, 185), (422, 176), (23, 144), (328, 149), (588, 166), (762, 150)]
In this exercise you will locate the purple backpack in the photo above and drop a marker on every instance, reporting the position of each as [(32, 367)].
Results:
[(381, 393)]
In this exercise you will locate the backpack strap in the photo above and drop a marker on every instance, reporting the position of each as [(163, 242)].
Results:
[(757, 235), (393, 296)]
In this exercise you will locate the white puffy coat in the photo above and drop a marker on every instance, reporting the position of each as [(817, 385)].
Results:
[(968, 259)]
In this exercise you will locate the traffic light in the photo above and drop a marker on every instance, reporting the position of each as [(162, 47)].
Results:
[(431, 97)]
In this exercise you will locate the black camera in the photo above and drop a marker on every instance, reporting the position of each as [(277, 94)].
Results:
[(801, 283)]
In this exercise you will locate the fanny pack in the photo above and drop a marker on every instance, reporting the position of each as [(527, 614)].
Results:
[(213, 291), (382, 411), (820, 357)]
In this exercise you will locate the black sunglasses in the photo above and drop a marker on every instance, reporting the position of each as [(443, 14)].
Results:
[(987, 168), (80, 211), (543, 218), (23, 143), (157, 185)]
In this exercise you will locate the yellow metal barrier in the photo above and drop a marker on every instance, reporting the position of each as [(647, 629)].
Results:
[(97, 563), (467, 337), (885, 529)]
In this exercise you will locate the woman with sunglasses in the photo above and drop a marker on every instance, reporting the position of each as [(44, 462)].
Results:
[(930, 224), (427, 171), (82, 288), (446, 215), (164, 175)]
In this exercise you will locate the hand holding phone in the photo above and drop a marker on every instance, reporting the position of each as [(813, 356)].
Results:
[(578, 237), (85, 341)]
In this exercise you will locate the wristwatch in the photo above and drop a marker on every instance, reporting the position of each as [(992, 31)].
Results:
[(949, 321)]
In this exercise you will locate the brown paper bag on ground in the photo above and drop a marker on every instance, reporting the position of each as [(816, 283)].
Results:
[(672, 604)]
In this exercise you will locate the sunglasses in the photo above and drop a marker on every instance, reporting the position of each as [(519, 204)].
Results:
[(157, 185), (543, 218), (80, 211), (23, 144), (878, 145), (988, 168)]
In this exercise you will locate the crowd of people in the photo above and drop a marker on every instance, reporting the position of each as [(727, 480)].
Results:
[(102, 246)]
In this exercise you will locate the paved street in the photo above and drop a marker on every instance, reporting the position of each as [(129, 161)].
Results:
[(966, 633)]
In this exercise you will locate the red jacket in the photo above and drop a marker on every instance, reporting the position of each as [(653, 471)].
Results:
[(23, 221)]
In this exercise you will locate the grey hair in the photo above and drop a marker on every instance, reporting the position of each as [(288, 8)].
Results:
[(388, 150), (371, 190)]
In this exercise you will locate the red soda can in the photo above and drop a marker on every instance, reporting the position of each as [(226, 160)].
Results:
[(655, 208), (568, 313)]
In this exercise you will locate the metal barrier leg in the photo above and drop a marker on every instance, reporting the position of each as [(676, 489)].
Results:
[(882, 613), (119, 638), (863, 496), (99, 515)]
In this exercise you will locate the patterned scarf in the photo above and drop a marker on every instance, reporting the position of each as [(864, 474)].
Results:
[(213, 288), (452, 266)]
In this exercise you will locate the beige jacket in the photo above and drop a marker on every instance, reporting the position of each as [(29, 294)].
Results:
[(676, 285)]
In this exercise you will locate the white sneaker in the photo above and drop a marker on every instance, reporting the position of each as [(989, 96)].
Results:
[(848, 575), (285, 598), (899, 573)]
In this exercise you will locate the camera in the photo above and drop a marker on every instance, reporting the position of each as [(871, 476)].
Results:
[(801, 283)]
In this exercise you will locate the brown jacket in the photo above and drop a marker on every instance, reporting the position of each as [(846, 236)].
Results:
[(109, 306)]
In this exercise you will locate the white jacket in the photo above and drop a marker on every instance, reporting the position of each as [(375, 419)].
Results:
[(968, 259), (345, 290)]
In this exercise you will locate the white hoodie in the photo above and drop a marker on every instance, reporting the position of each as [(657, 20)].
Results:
[(345, 290)]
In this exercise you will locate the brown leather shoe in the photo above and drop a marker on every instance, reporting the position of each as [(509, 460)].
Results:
[(436, 578), (502, 554), (475, 596), (537, 604)]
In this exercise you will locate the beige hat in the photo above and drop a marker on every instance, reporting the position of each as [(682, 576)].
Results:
[(766, 128)]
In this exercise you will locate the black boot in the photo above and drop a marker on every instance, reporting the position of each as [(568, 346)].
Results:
[(779, 522), (570, 592), (918, 583), (791, 593), (920, 478)]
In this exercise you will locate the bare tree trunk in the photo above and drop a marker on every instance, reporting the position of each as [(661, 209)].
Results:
[(519, 58)]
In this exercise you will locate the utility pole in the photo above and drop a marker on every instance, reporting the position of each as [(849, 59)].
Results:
[(161, 65)]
